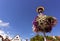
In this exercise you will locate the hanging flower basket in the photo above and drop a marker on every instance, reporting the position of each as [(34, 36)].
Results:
[(44, 23)]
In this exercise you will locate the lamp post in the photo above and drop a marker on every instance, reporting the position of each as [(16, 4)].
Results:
[(43, 23)]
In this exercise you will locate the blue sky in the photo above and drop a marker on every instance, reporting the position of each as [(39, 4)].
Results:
[(20, 14)]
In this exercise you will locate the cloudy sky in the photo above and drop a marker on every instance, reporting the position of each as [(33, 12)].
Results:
[(16, 16)]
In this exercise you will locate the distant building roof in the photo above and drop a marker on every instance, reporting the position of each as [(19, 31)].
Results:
[(16, 38)]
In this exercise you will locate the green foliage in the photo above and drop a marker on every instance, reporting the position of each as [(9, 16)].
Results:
[(40, 38), (49, 38), (37, 38), (57, 38)]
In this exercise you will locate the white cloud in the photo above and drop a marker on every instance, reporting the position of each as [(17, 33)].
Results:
[(4, 24), (32, 34), (23, 40), (2, 33), (9, 35)]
